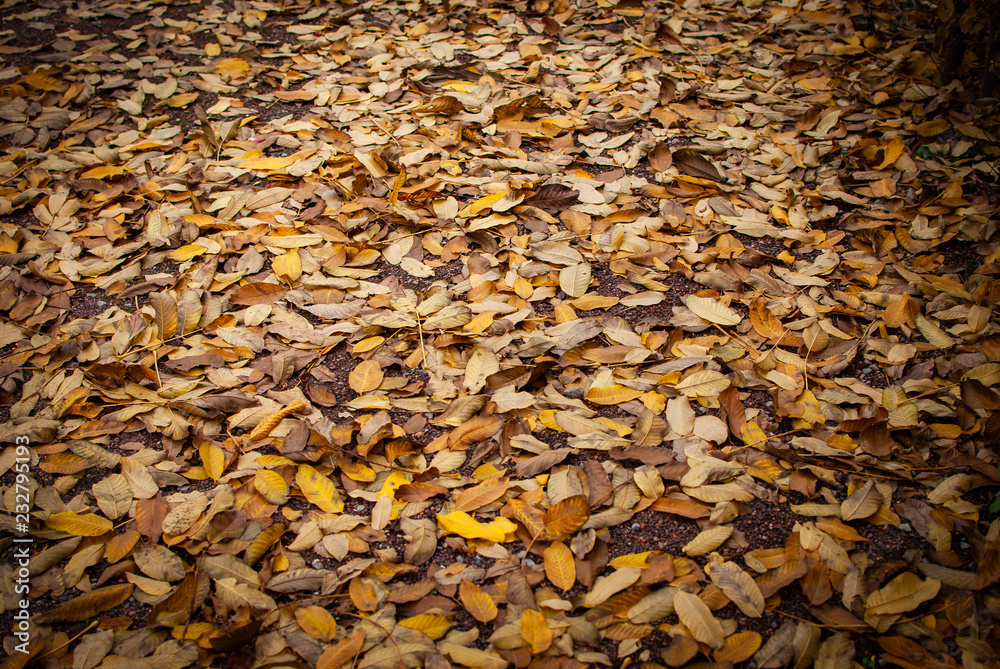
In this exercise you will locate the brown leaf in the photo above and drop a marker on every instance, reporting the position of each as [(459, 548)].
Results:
[(177, 607), (87, 605), (257, 293), (443, 104), (661, 158), (553, 197), (418, 492), (862, 503), (694, 164)]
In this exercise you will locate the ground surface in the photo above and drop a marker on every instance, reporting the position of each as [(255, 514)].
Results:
[(447, 335)]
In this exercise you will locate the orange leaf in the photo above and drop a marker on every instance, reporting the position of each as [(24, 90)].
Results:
[(567, 516), (477, 602)]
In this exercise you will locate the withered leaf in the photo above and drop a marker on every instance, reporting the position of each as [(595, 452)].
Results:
[(391, 337), (553, 197), (566, 516), (257, 293), (87, 605), (694, 164)]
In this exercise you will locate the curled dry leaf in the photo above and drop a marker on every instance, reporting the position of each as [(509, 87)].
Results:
[(384, 335)]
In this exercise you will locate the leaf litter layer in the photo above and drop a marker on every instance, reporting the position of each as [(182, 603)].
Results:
[(548, 334)]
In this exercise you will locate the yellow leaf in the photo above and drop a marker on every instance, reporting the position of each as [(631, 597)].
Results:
[(212, 49), (612, 395), (933, 333), (272, 486), (654, 606), (89, 605), (113, 495), (902, 412), (899, 311), (367, 344), (316, 622), (933, 128), (708, 540), (366, 377), (103, 172), (752, 435), (739, 587), (712, 310), (42, 82), (181, 99), (902, 594), (356, 471), (393, 481), (79, 525), (575, 279), (482, 363), (696, 616), (273, 164), (704, 383), (738, 647), (808, 406), (186, 252), (477, 602), (318, 489), (482, 203), (265, 427), (288, 265), (535, 630), (560, 566), (467, 527), (263, 542), (213, 458), (632, 560), (430, 624), (606, 586)]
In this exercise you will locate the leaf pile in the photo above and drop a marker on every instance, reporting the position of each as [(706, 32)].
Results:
[(457, 335)]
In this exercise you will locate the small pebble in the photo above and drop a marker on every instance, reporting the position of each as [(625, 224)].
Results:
[(529, 562), (459, 558), (636, 526), (905, 527), (316, 564), (360, 508), (964, 545), (769, 403), (867, 370)]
